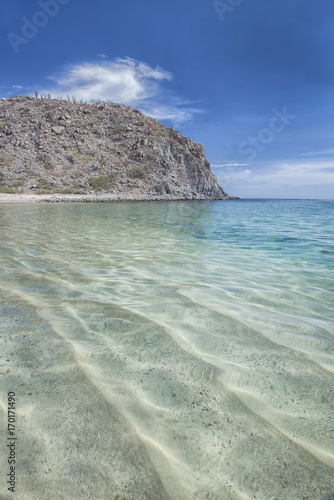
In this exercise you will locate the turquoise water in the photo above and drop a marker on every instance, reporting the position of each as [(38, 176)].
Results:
[(169, 350)]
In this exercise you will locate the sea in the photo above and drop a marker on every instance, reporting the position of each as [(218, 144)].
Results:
[(167, 350)]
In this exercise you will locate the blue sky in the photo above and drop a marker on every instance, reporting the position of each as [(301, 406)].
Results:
[(252, 80)]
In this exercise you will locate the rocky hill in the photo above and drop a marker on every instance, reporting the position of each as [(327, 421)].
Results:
[(53, 146)]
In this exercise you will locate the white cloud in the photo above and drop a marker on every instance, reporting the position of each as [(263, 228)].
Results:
[(224, 165), (125, 81), (293, 175), (17, 87), (103, 56), (231, 173), (307, 179), (323, 152), (166, 112)]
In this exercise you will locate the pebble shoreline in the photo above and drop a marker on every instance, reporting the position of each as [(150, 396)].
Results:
[(54, 198)]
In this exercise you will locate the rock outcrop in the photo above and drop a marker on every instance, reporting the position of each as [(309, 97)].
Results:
[(53, 146)]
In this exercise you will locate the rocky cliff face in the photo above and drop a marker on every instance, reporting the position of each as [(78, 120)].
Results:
[(52, 146)]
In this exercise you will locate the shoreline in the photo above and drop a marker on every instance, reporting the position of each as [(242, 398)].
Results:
[(6, 198)]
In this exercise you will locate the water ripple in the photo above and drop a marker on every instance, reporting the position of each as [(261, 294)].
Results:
[(186, 354)]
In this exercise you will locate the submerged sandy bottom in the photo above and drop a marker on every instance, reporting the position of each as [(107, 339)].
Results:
[(154, 358)]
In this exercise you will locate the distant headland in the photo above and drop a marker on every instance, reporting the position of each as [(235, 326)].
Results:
[(55, 149)]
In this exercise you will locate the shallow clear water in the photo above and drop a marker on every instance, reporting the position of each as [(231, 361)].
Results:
[(169, 350)]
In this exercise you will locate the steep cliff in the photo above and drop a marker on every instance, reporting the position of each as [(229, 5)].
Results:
[(53, 146)]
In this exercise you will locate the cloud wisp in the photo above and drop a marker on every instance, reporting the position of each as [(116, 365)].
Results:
[(279, 175), (124, 81), (322, 152), (297, 174)]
